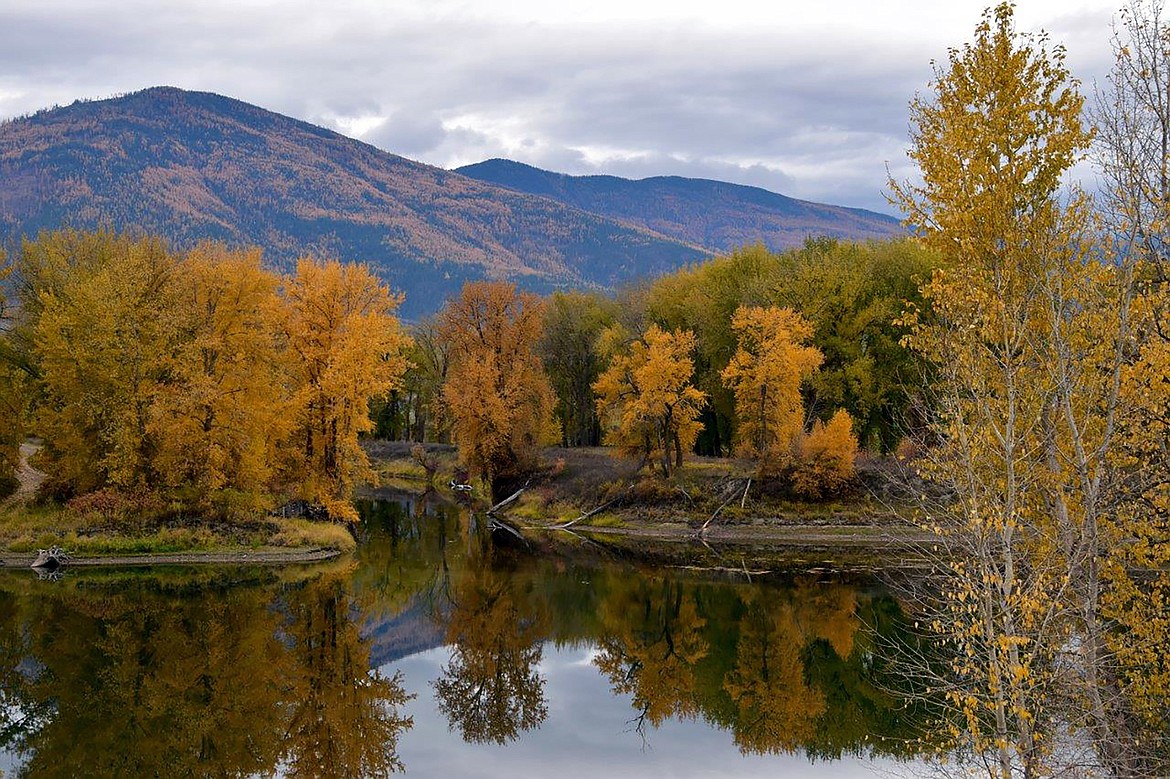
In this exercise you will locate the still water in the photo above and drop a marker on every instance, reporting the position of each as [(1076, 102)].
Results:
[(440, 653)]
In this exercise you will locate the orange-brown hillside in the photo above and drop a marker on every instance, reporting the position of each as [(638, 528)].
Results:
[(195, 165)]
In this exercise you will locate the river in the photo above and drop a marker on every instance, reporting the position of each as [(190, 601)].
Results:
[(442, 653)]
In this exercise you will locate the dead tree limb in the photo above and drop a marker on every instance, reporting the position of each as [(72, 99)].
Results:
[(506, 501), (586, 515), (719, 510)]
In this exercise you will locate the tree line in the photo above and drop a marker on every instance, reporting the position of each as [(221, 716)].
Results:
[(791, 359), (199, 378), (206, 378)]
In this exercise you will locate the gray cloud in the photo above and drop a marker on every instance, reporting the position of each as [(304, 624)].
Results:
[(813, 117)]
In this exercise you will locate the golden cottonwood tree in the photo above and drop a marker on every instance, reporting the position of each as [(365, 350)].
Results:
[(1133, 154), (220, 415), (648, 406), (497, 394), (344, 346), (104, 334), (1030, 336), (769, 365)]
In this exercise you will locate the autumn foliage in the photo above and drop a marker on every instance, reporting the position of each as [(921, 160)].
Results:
[(765, 374), (344, 347), (496, 392), (825, 457), (648, 406), (201, 376)]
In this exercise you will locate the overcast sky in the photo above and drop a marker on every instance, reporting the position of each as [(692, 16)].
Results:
[(808, 99)]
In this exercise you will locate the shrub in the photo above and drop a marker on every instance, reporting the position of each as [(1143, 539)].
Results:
[(825, 457)]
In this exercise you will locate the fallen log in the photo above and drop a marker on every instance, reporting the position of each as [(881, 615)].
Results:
[(506, 501), (586, 515)]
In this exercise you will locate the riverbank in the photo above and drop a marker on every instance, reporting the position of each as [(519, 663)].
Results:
[(714, 502), (119, 534), (119, 538), (250, 557)]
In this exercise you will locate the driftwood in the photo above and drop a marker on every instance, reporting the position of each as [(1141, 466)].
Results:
[(497, 523), (743, 502), (722, 506), (723, 569), (50, 559), (586, 515), (301, 509), (506, 501)]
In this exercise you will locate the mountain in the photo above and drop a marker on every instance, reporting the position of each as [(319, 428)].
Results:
[(714, 214), (196, 165)]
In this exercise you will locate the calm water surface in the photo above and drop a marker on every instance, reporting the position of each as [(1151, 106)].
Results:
[(438, 653)]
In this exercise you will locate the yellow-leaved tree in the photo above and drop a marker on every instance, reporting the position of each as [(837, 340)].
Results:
[(1030, 335), (104, 334), (766, 372), (344, 346), (222, 412), (1133, 154), (648, 406), (498, 397), (825, 456)]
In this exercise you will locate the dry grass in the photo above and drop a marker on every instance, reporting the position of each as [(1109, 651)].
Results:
[(300, 533), (28, 528)]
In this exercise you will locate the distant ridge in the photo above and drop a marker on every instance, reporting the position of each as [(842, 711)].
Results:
[(197, 165), (714, 214)]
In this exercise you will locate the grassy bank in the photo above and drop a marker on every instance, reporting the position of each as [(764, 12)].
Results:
[(26, 528), (716, 492)]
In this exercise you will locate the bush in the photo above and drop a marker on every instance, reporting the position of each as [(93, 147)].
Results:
[(122, 510), (8, 485), (825, 457)]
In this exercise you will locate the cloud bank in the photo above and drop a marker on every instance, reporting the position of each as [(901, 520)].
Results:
[(810, 106)]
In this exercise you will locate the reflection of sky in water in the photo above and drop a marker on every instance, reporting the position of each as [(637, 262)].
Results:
[(588, 733)]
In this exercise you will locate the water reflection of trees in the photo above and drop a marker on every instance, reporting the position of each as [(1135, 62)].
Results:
[(145, 677), (491, 690), (141, 679), (784, 668), (344, 717), (652, 642)]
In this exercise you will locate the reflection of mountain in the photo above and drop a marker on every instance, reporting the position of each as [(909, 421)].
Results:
[(782, 667), (402, 635)]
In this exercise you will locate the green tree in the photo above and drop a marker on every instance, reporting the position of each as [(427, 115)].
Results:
[(574, 322), (852, 294)]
